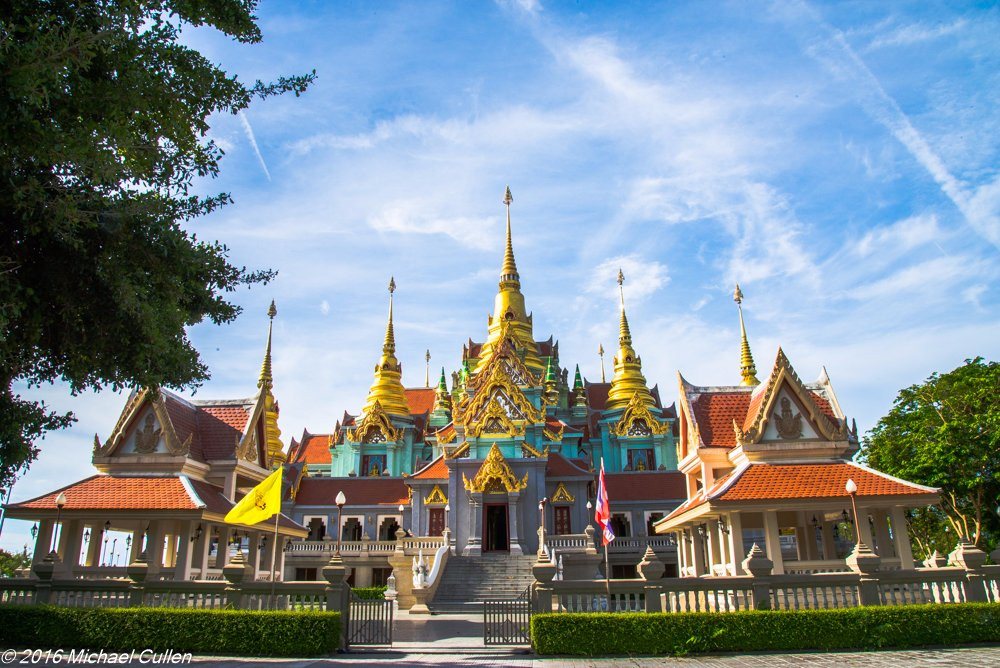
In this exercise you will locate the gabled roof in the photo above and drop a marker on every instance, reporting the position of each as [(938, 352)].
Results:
[(804, 482), (359, 491), (435, 470), (597, 395), (314, 449), (716, 409), (420, 399)]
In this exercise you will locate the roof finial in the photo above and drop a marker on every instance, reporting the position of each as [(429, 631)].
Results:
[(624, 334), (747, 369), (389, 345), (427, 368), (509, 270), (265, 368), (600, 353)]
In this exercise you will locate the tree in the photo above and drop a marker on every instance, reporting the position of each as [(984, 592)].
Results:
[(104, 119), (10, 562), (946, 433)]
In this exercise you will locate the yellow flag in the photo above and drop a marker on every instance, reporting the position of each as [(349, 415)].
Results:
[(260, 503)]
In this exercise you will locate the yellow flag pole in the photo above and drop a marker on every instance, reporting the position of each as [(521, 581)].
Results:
[(274, 550)]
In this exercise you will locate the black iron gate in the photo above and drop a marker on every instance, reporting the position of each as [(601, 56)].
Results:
[(369, 621), (508, 622)]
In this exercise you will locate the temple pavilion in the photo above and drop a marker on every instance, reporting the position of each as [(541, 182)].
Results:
[(499, 446)]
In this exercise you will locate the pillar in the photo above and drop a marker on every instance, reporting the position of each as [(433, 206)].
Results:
[(829, 546), (185, 548), (514, 543), (902, 537), (697, 552), (43, 541), (865, 527), (154, 550), (94, 546), (253, 557), (882, 539), (279, 555), (474, 546), (773, 541), (222, 553), (136, 546), (70, 543), (802, 543), (736, 549)]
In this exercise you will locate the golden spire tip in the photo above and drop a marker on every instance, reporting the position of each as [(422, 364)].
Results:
[(507, 197), (272, 310), (392, 285)]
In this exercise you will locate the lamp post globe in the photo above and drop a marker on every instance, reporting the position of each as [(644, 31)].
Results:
[(851, 488), (340, 500)]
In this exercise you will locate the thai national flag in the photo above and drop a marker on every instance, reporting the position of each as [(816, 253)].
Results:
[(602, 512)]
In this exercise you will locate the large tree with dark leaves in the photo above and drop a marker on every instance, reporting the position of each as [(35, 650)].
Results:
[(945, 433), (103, 120)]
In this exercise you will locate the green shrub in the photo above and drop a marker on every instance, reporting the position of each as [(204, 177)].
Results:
[(370, 592), (603, 634), (227, 632)]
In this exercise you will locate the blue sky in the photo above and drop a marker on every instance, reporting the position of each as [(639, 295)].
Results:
[(839, 160)]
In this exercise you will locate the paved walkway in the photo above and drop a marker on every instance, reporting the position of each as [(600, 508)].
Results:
[(457, 640)]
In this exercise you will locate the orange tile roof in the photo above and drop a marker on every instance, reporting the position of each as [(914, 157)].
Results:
[(219, 429), (810, 481), (359, 491), (315, 449), (420, 399), (714, 413), (597, 395), (436, 470), (107, 492)]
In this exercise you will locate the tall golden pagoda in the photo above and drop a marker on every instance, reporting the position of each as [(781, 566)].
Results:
[(748, 371), (387, 389), (272, 435), (509, 308), (628, 380)]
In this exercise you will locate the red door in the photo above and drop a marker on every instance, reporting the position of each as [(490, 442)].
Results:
[(561, 517)]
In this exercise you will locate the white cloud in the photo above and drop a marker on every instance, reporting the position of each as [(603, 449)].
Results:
[(324, 307), (253, 143), (915, 33), (642, 277)]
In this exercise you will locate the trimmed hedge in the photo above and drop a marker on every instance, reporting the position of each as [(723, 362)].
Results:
[(369, 592), (228, 632), (604, 634)]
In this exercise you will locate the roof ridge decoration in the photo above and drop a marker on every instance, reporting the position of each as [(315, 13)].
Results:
[(694, 433), (156, 401), (436, 496), (498, 386), (388, 387), (562, 495), (554, 436), (374, 427), (457, 452), (495, 420), (638, 420), (504, 355), (628, 378), (495, 474), (531, 452), (755, 424)]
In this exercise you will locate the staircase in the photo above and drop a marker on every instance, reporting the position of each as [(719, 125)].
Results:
[(468, 581)]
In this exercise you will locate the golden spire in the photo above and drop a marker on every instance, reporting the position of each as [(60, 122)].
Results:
[(265, 368), (387, 389), (272, 434), (628, 379), (509, 312), (427, 368), (747, 369), (600, 353), (509, 270)]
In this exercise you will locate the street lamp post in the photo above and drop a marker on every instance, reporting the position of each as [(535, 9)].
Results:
[(541, 512), (56, 537), (340, 501), (852, 490), (402, 510)]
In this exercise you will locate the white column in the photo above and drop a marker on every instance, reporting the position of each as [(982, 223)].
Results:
[(697, 551), (882, 534), (512, 541), (94, 547), (222, 553), (829, 546), (136, 547), (185, 548), (902, 536), (154, 550), (772, 541), (43, 541), (737, 551), (70, 543), (865, 527)]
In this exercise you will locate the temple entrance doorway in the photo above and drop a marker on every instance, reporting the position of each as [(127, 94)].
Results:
[(496, 535)]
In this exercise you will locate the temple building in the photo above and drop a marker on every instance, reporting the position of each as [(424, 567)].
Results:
[(497, 454)]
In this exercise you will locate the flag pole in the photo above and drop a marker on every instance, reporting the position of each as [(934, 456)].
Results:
[(607, 575), (274, 550)]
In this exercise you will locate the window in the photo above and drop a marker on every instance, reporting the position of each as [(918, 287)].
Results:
[(316, 526), (651, 519), (561, 517), (351, 530), (387, 529), (641, 459), (305, 574), (620, 525), (372, 465), (622, 571)]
